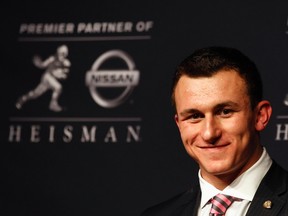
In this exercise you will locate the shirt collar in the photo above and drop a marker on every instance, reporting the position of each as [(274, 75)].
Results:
[(244, 186)]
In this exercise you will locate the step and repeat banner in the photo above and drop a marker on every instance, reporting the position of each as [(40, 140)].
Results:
[(87, 121)]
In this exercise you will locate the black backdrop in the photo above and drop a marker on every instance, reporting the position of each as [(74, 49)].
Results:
[(56, 165)]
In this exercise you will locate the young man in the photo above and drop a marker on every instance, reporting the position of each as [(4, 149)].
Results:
[(217, 94)]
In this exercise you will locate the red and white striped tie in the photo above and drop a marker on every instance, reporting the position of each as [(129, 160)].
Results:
[(220, 203)]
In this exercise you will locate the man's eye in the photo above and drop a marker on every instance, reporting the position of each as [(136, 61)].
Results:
[(195, 116), (226, 112)]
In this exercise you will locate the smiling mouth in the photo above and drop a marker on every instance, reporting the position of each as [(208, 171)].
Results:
[(214, 146)]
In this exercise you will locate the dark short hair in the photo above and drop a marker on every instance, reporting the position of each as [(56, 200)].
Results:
[(207, 61)]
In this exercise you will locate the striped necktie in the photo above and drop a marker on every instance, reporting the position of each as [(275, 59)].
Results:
[(220, 203)]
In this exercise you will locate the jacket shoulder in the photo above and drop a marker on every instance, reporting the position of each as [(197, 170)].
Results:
[(174, 206)]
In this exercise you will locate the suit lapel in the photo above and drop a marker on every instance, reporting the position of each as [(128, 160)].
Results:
[(273, 185), (197, 204), (189, 203)]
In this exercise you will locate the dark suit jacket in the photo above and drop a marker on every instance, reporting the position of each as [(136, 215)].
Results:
[(273, 187)]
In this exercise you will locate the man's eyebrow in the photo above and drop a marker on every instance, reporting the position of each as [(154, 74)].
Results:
[(218, 106), (188, 111), (226, 103)]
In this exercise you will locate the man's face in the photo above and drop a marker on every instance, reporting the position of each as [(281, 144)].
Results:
[(217, 123)]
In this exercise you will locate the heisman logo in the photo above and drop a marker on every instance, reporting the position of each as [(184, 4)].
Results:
[(56, 67), (121, 80)]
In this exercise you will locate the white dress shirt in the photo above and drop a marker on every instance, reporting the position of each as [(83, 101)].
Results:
[(243, 187)]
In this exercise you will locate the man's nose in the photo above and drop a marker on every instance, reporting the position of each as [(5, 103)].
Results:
[(211, 130)]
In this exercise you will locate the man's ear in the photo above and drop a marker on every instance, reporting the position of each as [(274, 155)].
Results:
[(264, 112), (176, 119)]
